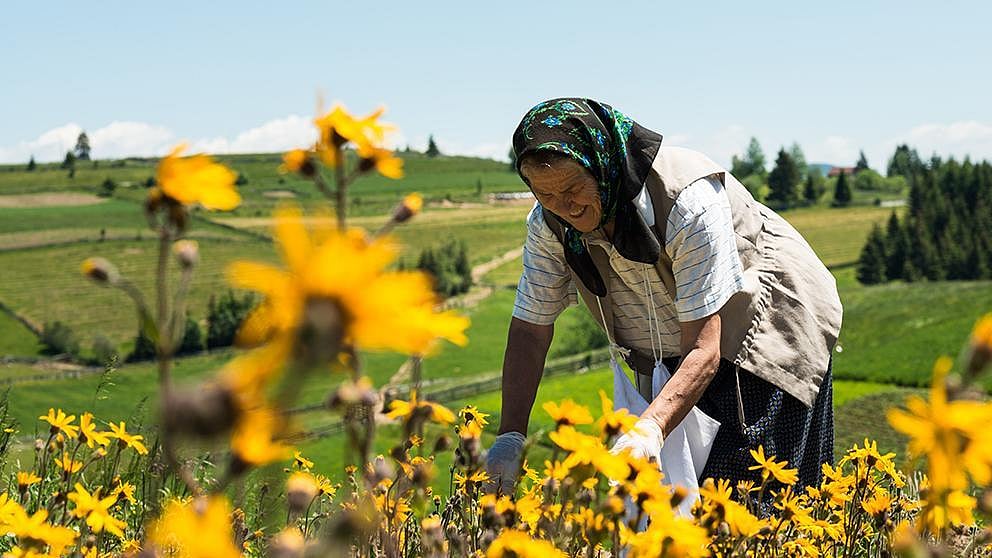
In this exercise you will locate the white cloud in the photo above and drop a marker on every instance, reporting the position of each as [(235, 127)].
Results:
[(957, 138), (121, 139), (835, 150), (281, 134), (49, 146)]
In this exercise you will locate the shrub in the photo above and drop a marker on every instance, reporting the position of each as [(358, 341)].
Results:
[(192, 341), (103, 350), (449, 265), (58, 339), (224, 316), (107, 188)]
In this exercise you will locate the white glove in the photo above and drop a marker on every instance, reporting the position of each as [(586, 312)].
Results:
[(503, 462), (644, 440)]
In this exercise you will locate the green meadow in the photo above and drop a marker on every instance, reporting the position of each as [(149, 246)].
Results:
[(49, 223)]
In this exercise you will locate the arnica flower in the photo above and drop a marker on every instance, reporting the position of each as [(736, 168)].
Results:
[(301, 462), (26, 479), (96, 510), (518, 544), (410, 206), (61, 422), (126, 439), (338, 127), (382, 160), (408, 410), (200, 528), (771, 468), (378, 309), (613, 422), (34, 533), (197, 180), (68, 464), (589, 450), (299, 161), (470, 413), (953, 436), (257, 440), (89, 432), (567, 413)]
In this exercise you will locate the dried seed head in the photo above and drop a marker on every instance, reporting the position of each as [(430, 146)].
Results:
[(301, 489)]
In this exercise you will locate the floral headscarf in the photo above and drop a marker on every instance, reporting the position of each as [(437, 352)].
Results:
[(617, 151)]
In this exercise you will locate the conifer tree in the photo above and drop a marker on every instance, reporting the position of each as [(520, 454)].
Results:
[(432, 150), (31, 164), (783, 180), (862, 163), (872, 263), (842, 191)]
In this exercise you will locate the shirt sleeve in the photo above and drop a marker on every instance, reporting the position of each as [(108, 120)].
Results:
[(545, 289), (701, 242)]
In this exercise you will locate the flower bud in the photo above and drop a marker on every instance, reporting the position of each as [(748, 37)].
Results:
[(298, 161), (100, 270), (187, 253), (288, 543), (410, 206), (301, 489), (204, 411)]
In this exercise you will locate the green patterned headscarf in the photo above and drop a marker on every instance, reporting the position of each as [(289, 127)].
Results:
[(617, 151)]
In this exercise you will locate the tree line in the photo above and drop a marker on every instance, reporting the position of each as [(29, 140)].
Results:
[(946, 232)]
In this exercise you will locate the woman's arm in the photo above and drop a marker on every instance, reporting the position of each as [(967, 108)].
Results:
[(523, 365), (701, 357)]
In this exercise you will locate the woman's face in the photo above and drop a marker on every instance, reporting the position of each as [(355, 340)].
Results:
[(566, 189)]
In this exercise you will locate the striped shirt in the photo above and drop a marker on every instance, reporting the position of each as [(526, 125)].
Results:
[(699, 239)]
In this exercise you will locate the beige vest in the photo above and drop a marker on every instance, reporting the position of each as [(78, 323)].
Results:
[(783, 326)]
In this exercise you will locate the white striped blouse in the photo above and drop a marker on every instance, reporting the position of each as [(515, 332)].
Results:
[(700, 240)]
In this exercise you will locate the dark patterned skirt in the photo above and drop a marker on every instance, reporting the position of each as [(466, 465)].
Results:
[(787, 429)]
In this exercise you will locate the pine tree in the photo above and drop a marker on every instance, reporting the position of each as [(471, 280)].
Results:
[(32, 165), (862, 163), (872, 263), (783, 180), (810, 192), (842, 191), (905, 162), (799, 159), (432, 150), (755, 158), (83, 147), (895, 248)]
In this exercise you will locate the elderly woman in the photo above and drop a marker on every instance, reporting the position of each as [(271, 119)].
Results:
[(675, 260)]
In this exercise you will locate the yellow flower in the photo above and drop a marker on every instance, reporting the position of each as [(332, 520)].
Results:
[(33, 531), (395, 508), (125, 490), (301, 489), (981, 335), (26, 479), (338, 127), (613, 422), (518, 544), (956, 508), (256, 438), (298, 160), (567, 413), (470, 413), (61, 422), (90, 433), (200, 528), (952, 435), (325, 486), (96, 510), (589, 450), (471, 481), (197, 179), (407, 410), (771, 468), (879, 502), (128, 440), (381, 160), (67, 464), (302, 462), (379, 309)]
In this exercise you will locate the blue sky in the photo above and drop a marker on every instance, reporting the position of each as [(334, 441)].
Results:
[(244, 76)]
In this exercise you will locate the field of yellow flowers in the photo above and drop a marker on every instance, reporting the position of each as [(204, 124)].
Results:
[(94, 489)]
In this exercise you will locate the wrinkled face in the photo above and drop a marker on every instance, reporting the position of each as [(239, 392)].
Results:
[(567, 189)]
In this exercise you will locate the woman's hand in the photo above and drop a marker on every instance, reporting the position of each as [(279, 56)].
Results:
[(644, 440)]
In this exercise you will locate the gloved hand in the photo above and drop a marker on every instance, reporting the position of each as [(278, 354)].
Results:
[(644, 440), (503, 462)]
